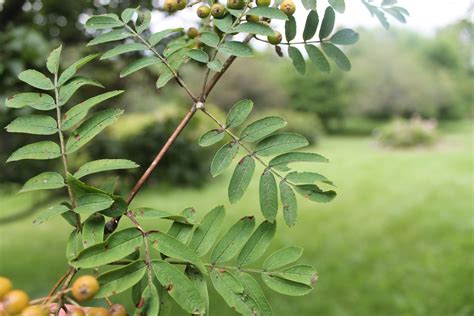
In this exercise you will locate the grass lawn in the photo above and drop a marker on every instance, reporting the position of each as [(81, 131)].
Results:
[(398, 240)]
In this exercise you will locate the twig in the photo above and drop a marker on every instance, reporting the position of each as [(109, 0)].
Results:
[(58, 284)]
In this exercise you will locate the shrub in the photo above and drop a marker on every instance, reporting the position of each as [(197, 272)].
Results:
[(408, 133)]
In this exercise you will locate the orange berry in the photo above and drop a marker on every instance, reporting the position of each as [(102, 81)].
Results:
[(85, 288), (118, 310), (288, 7), (35, 310), (5, 286), (15, 301), (97, 311)]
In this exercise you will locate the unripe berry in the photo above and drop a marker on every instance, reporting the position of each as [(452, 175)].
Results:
[(252, 18), (203, 11), (218, 10), (35, 310), (193, 32), (275, 39), (263, 3), (15, 301), (170, 6), (5, 286), (75, 311), (288, 7), (235, 4), (97, 311), (85, 288), (117, 310), (181, 4)]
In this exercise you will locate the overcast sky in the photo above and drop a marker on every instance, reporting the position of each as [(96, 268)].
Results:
[(425, 15)]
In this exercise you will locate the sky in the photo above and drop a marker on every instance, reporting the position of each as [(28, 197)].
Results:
[(426, 16)]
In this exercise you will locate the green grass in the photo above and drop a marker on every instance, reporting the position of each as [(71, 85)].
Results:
[(398, 240)]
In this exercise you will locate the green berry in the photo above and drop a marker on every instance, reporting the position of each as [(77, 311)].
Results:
[(275, 39), (181, 4), (235, 4), (203, 11), (263, 3), (193, 32), (252, 18), (170, 6), (218, 11), (288, 7)]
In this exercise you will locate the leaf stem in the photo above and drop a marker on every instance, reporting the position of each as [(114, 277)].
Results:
[(291, 43), (175, 74)]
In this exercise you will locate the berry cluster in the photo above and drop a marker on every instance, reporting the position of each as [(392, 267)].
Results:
[(219, 11), (17, 302)]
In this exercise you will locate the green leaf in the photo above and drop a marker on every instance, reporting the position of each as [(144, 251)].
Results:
[(33, 124), (338, 5), (303, 273), (91, 203), (72, 69), (223, 158), (239, 113), (164, 78), (199, 282), (268, 193), (314, 193), (127, 14), (396, 14), (112, 36), (224, 24), (182, 231), (281, 162), (262, 128), (93, 230), (90, 128), (123, 49), (307, 178), (173, 248), (233, 240), (328, 23), (79, 188), (309, 4), (257, 244), (179, 287), (73, 245), (52, 63), (118, 208), (337, 55), (297, 59), (290, 205), (37, 151), (241, 179), (209, 38), (67, 90), (206, 233), (211, 137), (267, 12), (38, 101), (139, 64), (147, 213), (149, 302), (215, 65), (36, 79), (166, 302), (143, 21), (49, 213), (44, 181), (104, 21), (282, 257), (121, 279), (116, 247), (345, 37), (235, 48), (198, 55), (104, 165), (231, 290), (254, 28), (317, 58), (253, 289), (290, 29), (79, 112), (286, 287), (312, 22), (280, 143), (159, 36)]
